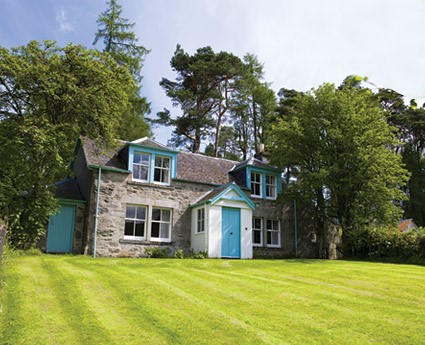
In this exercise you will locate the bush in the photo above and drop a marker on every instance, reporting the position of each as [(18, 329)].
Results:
[(381, 242), (156, 252)]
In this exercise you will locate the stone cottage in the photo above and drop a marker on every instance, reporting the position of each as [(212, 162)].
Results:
[(141, 194)]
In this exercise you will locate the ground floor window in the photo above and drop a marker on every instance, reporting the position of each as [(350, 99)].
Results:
[(257, 231), (135, 220), (200, 221), (161, 224), (273, 233), (147, 223)]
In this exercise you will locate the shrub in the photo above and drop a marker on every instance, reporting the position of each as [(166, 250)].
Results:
[(380, 242), (156, 252)]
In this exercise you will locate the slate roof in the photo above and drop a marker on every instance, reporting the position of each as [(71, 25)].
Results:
[(102, 157), (68, 189), (199, 168), (211, 194), (149, 142)]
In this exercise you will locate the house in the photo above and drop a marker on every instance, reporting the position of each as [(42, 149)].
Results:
[(120, 201), (407, 225)]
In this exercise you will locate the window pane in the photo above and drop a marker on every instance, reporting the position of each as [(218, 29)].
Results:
[(257, 237), (156, 214), (275, 238), (137, 157), (269, 237), (141, 213), (145, 159), (140, 228), (155, 230), (269, 224), (136, 171), (143, 173), (129, 227), (166, 163), (130, 211), (165, 230), (166, 215)]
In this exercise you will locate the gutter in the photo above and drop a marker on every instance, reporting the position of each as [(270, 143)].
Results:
[(94, 166), (96, 216)]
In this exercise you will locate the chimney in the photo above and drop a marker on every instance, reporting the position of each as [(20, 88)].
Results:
[(261, 154)]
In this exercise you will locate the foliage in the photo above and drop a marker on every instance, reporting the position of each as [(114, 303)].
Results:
[(48, 97), (384, 242), (410, 122), (120, 42), (253, 107), (181, 254), (217, 92), (156, 252), (195, 301), (341, 153)]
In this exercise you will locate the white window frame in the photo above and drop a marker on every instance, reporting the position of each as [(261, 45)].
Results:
[(200, 220), (162, 170), (271, 187), (161, 222), (257, 183), (259, 230), (271, 231), (148, 166), (135, 220)]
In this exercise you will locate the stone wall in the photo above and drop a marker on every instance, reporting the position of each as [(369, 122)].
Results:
[(116, 191)]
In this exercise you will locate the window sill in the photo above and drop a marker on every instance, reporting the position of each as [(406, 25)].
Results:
[(143, 242), (257, 245), (273, 246), (200, 233), (149, 184)]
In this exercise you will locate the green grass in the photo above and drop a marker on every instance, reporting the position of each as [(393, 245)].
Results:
[(80, 300)]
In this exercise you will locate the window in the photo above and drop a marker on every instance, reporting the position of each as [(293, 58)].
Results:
[(161, 224), (135, 220), (270, 187), (162, 170), (256, 184), (257, 231), (200, 224), (141, 164), (273, 233)]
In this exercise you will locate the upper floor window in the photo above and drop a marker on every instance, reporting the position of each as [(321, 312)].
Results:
[(273, 233), (141, 166), (162, 170), (257, 231), (135, 220), (200, 224), (256, 184), (270, 187)]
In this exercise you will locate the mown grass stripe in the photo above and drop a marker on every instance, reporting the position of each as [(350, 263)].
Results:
[(127, 319), (84, 324)]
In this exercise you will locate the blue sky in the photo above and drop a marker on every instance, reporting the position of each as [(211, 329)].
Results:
[(302, 43)]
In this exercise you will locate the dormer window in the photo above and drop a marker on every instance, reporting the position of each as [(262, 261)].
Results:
[(151, 164), (256, 184)]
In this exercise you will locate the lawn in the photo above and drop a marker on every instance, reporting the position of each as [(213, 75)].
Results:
[(80, 300)]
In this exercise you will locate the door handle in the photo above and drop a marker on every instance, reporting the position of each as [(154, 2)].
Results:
[(231, 233)]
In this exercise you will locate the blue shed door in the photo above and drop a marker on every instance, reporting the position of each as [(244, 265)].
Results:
[(61, 231), (231, 232)]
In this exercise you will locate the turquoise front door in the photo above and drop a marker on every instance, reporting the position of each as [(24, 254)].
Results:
[(231, 232), (61, 231)]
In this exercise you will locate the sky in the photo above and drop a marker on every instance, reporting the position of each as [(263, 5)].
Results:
[(302, 43)]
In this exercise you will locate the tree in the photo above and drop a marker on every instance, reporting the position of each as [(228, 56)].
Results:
[(120, 42), (48, 97), (410, 122), (203, 89), (341, 151), (254, 104)]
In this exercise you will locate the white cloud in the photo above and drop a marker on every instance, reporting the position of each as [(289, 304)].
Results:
[(64, 24)]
